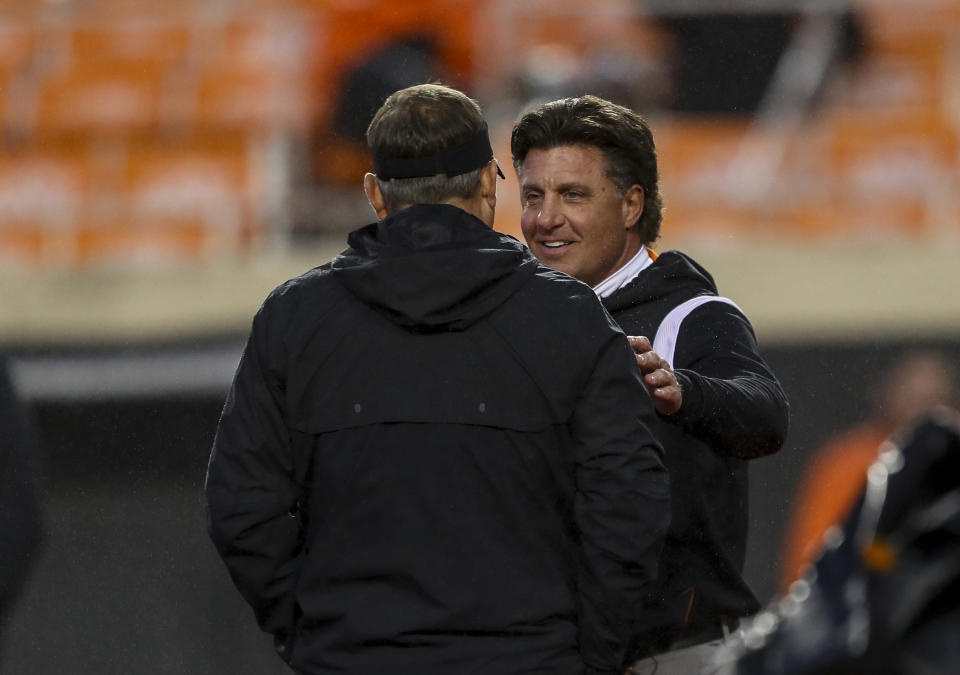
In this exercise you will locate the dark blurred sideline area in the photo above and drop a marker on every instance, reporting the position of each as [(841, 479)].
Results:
[(163, 165)]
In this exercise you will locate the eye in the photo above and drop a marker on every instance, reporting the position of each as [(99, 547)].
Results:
[(531, 197), (573, 195)]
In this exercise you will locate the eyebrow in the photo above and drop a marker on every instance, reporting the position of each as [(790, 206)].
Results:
[(563, 187), (579, 187)]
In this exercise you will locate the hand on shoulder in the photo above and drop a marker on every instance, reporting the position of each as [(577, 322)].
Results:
[(658, 376)]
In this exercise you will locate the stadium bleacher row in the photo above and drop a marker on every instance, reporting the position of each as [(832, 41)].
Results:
[(141, 137), (156, 131)]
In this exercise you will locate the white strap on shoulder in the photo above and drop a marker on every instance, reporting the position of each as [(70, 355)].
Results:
[(665, 341)]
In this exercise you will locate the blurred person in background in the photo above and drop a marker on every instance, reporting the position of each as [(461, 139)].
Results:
[(882, 597), (914, 383), (339, 147), (724, 60), (20, 515), (403, 480), (591, 208), (399, 63), (724, 56)]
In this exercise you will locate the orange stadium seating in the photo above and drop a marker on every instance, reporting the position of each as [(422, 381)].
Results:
[(189, 198), (254, 73), (43, 194), (17, 43), (889, 170), (146, 120), (146, 41), (101, 98), (144, 127), (696, 157)]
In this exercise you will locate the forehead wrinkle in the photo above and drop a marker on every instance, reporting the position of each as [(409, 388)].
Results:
[(562, 168), (528, 184)]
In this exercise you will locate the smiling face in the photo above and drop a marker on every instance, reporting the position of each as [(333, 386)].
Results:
[(573, 218)]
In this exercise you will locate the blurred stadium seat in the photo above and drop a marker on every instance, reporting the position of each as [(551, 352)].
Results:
[(190, 198), (146, 41), (17, 42), (252, 74), (43, 194), (696, 158), (100, 98), (889, 171)]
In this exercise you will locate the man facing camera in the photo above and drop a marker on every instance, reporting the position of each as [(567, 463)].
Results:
[(436, 454), (591, 208)]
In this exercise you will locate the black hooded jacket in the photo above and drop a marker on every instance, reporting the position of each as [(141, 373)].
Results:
[(734, 409), (435, 458)]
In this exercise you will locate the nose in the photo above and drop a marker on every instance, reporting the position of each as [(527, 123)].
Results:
[(550, 215)]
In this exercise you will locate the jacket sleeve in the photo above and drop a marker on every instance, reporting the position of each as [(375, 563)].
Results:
[(251, 490), (621, 505), (731, 399)]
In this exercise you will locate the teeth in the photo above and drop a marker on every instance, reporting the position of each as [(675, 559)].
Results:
[(555, 244)]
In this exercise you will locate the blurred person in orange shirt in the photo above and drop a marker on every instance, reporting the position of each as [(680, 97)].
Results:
[(915, 382)]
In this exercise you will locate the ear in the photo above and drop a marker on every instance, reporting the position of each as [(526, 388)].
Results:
[(488, 184), (372, 189), (632, 207)]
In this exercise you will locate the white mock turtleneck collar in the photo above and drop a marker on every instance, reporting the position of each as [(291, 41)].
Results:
[(625, 274)]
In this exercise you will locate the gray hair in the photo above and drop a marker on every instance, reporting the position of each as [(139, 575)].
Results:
[(401, 192)]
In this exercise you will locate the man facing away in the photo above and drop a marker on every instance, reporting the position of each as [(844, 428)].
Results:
[(435, 456), (592, 208)]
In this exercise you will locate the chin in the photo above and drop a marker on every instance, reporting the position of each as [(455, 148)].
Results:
[(567, 270)]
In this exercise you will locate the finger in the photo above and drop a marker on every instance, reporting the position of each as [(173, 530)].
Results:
[(660, 378), (649, 362), (639, 343), (668, 391), (667, 400), (663, 377)]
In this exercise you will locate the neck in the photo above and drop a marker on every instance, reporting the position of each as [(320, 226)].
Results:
[(474, 207), (632, 246)]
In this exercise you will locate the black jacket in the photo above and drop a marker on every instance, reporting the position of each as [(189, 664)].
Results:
[(435, 458), (734, 409)]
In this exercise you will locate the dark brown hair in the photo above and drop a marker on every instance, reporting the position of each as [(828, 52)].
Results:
[(622, 135)]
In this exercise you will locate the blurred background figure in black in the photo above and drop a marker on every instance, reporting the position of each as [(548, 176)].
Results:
[(402, 62), (20, 522), (724, 60), (340, 151), (915, 382), (884, 595)]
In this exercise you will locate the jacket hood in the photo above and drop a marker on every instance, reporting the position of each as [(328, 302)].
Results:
[(672, 273), (432, 267)]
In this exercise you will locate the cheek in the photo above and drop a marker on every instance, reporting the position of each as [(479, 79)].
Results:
[(606, 237), (528, 221), (615, 235), (614, 232)]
